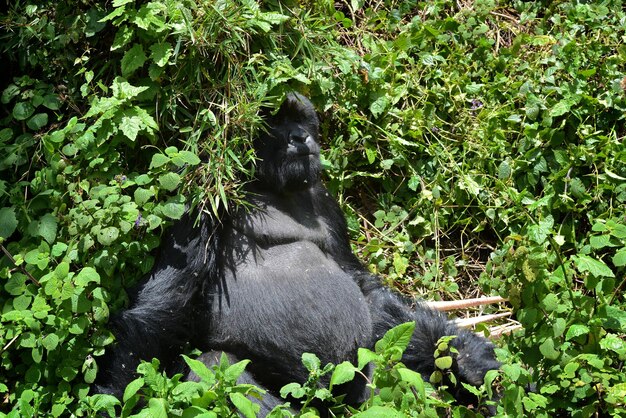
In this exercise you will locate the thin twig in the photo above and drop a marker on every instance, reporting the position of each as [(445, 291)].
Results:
[(10, 257)]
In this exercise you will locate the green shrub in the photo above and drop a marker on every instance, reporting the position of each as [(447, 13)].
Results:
[(471, 144)]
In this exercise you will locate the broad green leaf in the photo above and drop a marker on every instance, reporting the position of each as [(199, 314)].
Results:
[(158, 160), (157, 408), (132, 388), (576, 330), (8, 222), (123, 36), (106, 236), (597, 268), (161, 53), (248, 408), (366, 356), (87, 275), (46, 227), (379, 412), (50, 342), (444, 362), (550, 302), (398, 336), (232, 373), (344, 372), (619, 259), (310, 361), (133, 59), (548, 350), (130, 126), (169, 181), (38, 121), (173, 209), (52, 101), (200, 369), (23, 110)]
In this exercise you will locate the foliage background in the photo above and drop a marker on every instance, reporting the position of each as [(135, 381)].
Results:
[(475, 146)]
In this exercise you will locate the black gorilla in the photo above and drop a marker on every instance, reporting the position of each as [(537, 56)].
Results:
[(275, 281)]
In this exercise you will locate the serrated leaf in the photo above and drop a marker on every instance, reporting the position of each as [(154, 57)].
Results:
[(161, 53), (122, 37), (232, 373), (8, 222), (398, 336), (130, 126), (169, 181), (133, 59), (597, 268), (158, 160), (142, 195)]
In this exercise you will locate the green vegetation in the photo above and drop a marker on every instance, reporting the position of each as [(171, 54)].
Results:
[(474, 145)]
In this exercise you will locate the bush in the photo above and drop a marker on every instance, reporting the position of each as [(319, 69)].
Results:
[(472, 145)]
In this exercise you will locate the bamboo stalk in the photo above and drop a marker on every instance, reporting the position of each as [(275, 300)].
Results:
[(465, 303), (469, 322)]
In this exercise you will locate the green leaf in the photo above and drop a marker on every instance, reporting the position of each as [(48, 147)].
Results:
[(52, 101), (576, 330), (344, 372), (158, 160), (9, 93), (8, 222), (619, 259), (38, 121), (379, 412), (46, 227), (248, 408), (131, 126), (133, 59), (444, 362), (548, 350), (50, 342), (87, 275), (23, 110), (504, 170), (173, 209), (232, 373), (597, 268), (157, 408), (132, 388), (161, 53), (200, 369), (310, 361), (106, 236), (123, 36), (550, 302), (398, 336), (169, 181), (367, 356)]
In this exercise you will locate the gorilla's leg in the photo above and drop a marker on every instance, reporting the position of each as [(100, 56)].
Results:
[(269, 401)]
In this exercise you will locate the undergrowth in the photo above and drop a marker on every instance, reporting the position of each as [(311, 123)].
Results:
[(475, 146)]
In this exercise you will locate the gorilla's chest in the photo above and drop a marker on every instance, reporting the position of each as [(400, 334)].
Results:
[(282, 295)]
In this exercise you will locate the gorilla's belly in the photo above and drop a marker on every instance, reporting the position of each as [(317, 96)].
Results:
[(277, 302)]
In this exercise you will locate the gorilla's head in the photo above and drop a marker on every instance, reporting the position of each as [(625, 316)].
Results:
[(289, 152)]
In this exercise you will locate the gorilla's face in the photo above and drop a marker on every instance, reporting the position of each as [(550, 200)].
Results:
[(289, 153)]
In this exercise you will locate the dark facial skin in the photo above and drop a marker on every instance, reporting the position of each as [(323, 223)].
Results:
[(289, 153)]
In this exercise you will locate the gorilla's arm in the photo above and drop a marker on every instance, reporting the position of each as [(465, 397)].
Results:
[(389, 309), (164, 309)]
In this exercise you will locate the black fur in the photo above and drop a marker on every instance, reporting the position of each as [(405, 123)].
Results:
[(273, 282)]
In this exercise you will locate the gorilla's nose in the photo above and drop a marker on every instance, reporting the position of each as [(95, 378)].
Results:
[(298, 136)]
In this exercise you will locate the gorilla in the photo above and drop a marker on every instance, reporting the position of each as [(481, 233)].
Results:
[(275, 280)]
